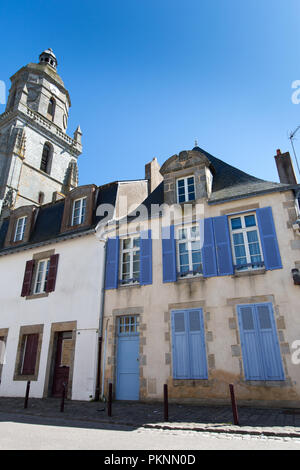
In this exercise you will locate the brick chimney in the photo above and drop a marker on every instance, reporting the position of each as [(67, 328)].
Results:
[(153, 175), (285, 168)]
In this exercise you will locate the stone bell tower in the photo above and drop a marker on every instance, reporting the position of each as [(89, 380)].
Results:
[(38, 159)]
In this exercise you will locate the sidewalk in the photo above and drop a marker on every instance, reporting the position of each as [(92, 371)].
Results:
[(254, 421)]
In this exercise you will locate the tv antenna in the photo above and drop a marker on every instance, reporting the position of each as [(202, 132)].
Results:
[(292, 137)]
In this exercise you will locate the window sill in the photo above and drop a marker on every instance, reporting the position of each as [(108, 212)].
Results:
[(190, 382), (191, 278), (249, 272), (26, 378), (267, 383), (186, 202), (130, 284), (37, 296)]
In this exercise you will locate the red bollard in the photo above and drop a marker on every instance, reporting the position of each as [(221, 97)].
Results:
[(234, 405), (166, 403), (109, 402), (27, 394)]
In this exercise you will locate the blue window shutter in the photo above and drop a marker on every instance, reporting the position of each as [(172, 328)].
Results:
[(169, 254), (208, 248), (268, 238), (198, 362), (223, 246), (180, 348), (271, 356), (112, 263), (251, 351), (145, 258)]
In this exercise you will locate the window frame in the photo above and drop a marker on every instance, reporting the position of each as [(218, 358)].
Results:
[(128, 325), (45, 163), (82, 211), (249, 266), (131, 251), (186, 192), (44, 278), (189, 240), (23, 228)]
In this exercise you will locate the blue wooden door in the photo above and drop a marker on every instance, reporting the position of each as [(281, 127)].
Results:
[(128, 370)]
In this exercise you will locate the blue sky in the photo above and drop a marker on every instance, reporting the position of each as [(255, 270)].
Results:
[(148, 77)]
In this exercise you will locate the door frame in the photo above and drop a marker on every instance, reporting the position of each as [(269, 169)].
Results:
[(59, 338), (57, 328), (134, 334)]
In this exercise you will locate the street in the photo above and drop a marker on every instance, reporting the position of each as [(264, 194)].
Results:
[(37, 433)]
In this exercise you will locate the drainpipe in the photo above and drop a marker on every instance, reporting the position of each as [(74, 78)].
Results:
[(97, 392), (102, 239), (104, 358)]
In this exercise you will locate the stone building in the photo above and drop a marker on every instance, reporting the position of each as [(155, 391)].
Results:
[(38, 159), (51, 291), (202, 287), (188, 277)]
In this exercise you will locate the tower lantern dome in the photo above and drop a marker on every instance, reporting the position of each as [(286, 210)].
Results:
[(48, 57)]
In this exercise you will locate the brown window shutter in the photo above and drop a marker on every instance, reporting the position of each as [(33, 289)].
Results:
[(50, 287), (26, 289), (30, 354)]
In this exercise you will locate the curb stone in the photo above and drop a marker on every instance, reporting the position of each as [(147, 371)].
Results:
[(196, 427)]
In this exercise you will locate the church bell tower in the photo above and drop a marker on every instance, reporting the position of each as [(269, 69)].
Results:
[(38, 159)]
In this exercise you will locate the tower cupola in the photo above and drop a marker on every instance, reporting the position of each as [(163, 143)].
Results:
[(49, 58)]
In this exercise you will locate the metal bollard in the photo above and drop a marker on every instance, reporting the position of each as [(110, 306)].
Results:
[(234, 405), (62, 404), (166, 403), (27, 394), (109, 402)]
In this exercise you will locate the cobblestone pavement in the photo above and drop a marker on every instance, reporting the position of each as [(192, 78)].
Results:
[(254, 421)]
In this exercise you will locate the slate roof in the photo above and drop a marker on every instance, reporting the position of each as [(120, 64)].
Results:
[(49, 218), (228, 183), (231, 183)]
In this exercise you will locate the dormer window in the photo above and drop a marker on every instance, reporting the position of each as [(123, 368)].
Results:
[(20, 229), (79, 208), (185, 189)]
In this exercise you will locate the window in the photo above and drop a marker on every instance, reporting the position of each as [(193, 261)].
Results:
[(2, 353), (189, 258), (51, 108), (45, 162), (246, 244), (41, 276), (128, 325), (41, 197), (20, 229), (79, 208), (188, 345), (130, 260), (29, 356), (185, 189), (260, 346)]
